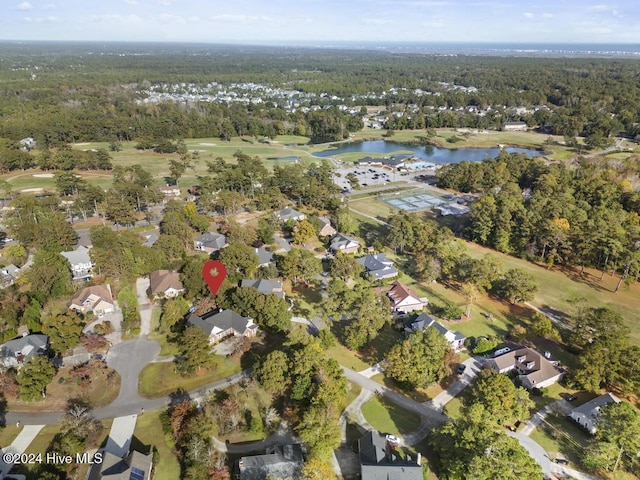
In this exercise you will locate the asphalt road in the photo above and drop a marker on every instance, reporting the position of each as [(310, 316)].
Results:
[(128, 359)]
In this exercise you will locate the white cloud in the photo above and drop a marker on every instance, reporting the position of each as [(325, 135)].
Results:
[(164, 3), (231, 18), (49, 6), (547, 15), (24, 6), (528, 14), (376, 21), (167, 18), (193, 19), (598, 8), (131, 2)]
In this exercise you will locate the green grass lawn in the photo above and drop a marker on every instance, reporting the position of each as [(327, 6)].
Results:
[(557, 288), (346, 357), (149, 433), (159, 379), (8, 434), (389, 418), (40, 444)]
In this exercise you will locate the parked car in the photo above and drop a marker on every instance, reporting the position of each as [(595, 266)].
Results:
[(570, 397), (461, 368)]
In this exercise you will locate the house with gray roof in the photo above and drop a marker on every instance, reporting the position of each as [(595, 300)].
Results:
[(344, 243), (588, 414), (266, 287), (119, 461), (80, 262), (16, 352), (8, 275), (149, 239), (378, 266), (265, 257), (424, 321), (210, 242), (380, 461), (289, 213), (533, 368), (281, 461), (220, 325)]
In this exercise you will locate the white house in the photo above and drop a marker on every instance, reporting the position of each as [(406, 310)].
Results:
[(96, 299), (588, 414), (405, 300), (424, 321), (343, 243), (80, 262)]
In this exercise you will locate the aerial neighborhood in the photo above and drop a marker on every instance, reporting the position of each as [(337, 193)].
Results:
[(380, 314)]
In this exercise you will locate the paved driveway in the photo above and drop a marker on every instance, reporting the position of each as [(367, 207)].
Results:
[(474, 365), (144, 305)]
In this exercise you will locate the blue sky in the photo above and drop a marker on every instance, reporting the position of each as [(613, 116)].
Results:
[(325, 21)]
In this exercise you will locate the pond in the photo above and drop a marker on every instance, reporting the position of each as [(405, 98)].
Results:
[(424, 152)]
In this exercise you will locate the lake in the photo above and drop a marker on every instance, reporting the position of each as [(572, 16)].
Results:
[(425, 152)]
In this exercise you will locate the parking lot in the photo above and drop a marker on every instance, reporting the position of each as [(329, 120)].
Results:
[(367, 175)]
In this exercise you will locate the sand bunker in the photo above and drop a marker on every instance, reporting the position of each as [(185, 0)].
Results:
[(26, 190), (43, 175), (208, 144)]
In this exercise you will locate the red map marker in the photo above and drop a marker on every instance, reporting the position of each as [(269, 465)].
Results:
[(214, 272)]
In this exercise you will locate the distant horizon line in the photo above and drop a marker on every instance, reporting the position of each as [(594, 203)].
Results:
[(328, 42)]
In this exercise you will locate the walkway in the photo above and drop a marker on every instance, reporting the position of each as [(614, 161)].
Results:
[(18, 446)]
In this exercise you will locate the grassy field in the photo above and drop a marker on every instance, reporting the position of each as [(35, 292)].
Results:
[(149, 432), (389, 418), (557, 289), (159, 379)]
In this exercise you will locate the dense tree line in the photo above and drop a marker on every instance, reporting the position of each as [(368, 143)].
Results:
[(97, 100), (582, 215)]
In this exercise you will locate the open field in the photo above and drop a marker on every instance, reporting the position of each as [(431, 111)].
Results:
[(149, 432), (158, 379), (558, 288)]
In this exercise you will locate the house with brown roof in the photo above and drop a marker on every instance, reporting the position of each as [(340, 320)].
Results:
[(165, 283), (96, 299), (326, 229), (405, 300), (534, 370)]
